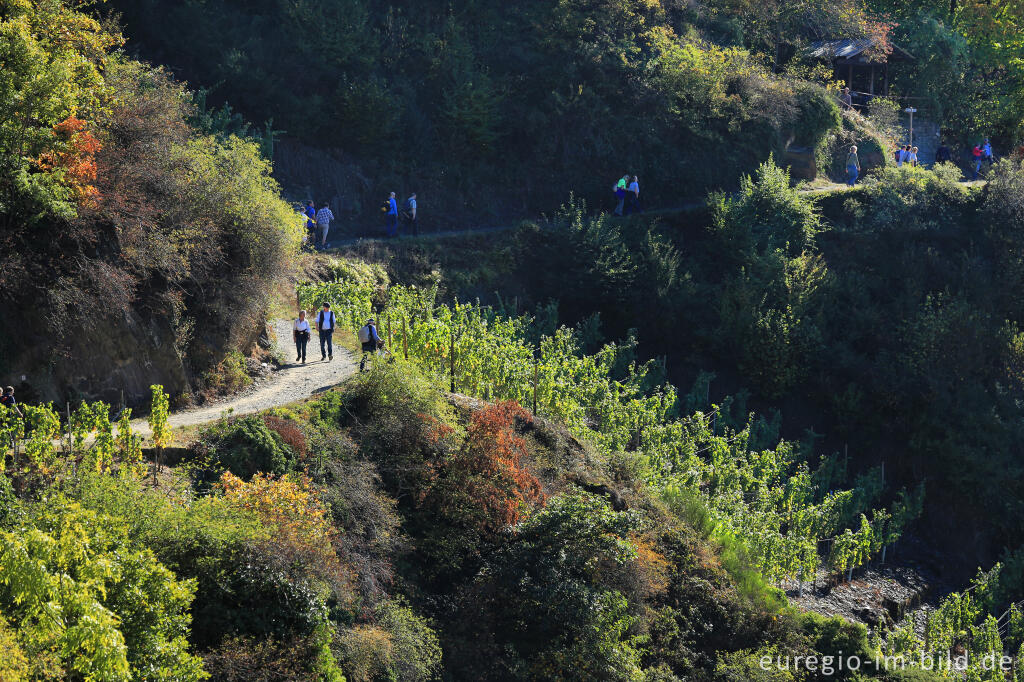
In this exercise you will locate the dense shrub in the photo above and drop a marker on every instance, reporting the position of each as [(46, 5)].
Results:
[(245, 446), (399, 645), (909, 199), (90, 602)]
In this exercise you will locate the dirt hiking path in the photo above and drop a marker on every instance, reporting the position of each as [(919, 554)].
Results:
[(291, 382)]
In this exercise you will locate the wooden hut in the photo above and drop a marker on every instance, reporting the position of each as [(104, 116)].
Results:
[(858, 62)]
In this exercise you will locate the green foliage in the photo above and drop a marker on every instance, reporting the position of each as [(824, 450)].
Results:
[(561, 621), (228, 376), (769, 306), (399, 646), (767, 215), (245, 446), (90, 603), (914, 199), (158, 417), (53, 57)]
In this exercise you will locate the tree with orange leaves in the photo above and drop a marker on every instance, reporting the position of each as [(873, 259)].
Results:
[(73, 158), (486, 477), (477, 490)]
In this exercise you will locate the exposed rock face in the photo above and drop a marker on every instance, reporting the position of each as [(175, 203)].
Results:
[(118, 361), (801, 162)]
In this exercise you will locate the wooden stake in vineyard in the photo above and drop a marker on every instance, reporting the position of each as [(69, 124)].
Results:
[(405, 338), (536, 373), (451, 359)]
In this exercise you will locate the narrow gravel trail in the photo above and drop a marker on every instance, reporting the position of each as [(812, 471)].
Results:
[(293, 381)]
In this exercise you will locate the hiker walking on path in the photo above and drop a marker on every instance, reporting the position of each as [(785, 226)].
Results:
[(846, 99), (392, 216), (986, 152), (409, 223), (977, 155), (633, 196), (8, 401), (325, 324), (369, 340), (620, 193), (300, 332), (913, 157), (852, 166), (310, 213), (323, 221)]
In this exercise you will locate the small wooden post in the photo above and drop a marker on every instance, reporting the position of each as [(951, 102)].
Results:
[(405, 338), (536, 377), (387, 323), (451, 360), (71, 443)]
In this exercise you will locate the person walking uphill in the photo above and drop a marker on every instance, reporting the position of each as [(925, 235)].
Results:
[(325, 325), (323, 221), (392, 216), (300, 333), (369, 340), (310, 213), (852, 166)]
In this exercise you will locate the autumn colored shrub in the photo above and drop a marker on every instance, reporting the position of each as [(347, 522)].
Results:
[(289, 432), (486, 478), (301, 526)]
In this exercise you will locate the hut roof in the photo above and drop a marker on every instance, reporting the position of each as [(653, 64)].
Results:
[(856, 50)]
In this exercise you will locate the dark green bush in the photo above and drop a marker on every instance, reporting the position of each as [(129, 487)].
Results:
[(245, 446)]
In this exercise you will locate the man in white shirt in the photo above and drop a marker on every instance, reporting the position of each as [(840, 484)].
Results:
[(325, 323), (300, 332)]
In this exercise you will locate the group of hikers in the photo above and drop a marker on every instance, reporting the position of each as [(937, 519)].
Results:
[(981, 153), (326, 323), (318, 221), (627, 192)]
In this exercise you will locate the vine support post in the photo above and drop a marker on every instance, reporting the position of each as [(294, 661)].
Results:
[(536, 376), (883, 473), (927, 630), (405, 338), (70, 445), (387, 325), (451, 359)]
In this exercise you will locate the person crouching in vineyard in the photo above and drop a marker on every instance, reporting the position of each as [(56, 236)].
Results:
[(300, 332), (370, 341)]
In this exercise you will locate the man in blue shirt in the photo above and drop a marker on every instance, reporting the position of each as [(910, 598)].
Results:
[(392, 216), (310, 212)]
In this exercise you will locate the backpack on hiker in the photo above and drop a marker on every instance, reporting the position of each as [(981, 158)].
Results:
[(365, 334)]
